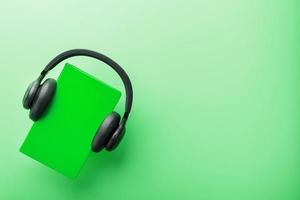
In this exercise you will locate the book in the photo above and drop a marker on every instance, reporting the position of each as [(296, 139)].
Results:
[(62, 138)]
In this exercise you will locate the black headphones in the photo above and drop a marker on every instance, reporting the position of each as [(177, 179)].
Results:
[(39, 95)]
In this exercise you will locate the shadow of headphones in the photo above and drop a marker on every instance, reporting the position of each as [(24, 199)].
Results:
[(39, 95)]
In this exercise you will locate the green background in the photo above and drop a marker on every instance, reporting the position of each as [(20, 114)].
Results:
[(216, 109)]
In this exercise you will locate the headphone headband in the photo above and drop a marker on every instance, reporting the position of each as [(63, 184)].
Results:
[(85, 52)]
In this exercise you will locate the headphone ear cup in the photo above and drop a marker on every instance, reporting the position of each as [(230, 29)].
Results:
[(105, 131), (42, 99), (116, 138), (30, 94)]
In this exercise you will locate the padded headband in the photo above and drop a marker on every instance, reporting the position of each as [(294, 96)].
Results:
[(84, 52)]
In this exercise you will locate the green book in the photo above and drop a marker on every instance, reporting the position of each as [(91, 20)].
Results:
[(62, 138)]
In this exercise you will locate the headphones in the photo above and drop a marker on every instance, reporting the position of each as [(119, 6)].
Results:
[(39, 95)]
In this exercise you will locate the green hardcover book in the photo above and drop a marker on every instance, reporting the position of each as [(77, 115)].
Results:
[(62, 138)]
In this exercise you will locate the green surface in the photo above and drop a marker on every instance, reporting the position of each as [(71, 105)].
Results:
[(216, 109), (62, 138)]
